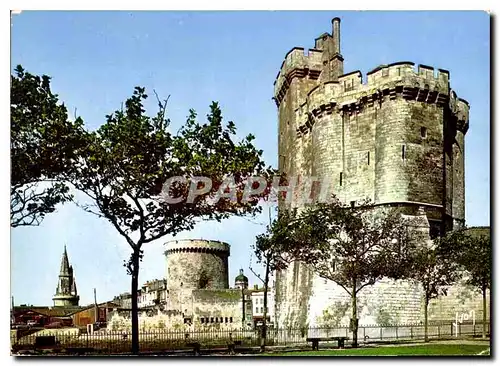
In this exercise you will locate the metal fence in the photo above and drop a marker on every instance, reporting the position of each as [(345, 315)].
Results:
[(165, 341)]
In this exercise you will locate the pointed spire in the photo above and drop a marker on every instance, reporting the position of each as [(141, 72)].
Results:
[(66, 292), (64, 271)]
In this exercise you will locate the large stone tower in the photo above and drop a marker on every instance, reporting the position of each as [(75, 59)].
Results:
[(396, 138), (66, 293)]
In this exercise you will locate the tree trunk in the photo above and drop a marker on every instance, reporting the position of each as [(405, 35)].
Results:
[(426, 305), (484, 311), (243, 304), (354, 320), (135, 315), (264, 322)]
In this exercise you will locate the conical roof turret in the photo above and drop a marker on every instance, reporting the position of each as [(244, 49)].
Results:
[(64, 271)]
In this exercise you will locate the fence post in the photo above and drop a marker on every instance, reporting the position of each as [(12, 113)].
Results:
[(459, 329), (474, 329), (439, 331), (396, 332), (451, 333), (411, 331), (380, 333)]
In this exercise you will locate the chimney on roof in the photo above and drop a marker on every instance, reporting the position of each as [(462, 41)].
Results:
[(336, 34)]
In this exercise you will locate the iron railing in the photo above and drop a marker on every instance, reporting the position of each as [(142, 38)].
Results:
[(176, 340)]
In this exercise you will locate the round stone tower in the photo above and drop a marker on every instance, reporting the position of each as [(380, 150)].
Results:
[(197, 264)]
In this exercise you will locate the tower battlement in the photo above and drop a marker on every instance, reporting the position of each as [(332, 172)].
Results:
[(394, 135), (386, 82)]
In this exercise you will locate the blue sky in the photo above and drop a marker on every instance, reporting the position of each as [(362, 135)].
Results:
[(96, 59)]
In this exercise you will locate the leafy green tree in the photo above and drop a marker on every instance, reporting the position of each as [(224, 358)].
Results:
[(44, 143), (351, 246), (271, 254), (470, 249), (131, 157), (435, 271)]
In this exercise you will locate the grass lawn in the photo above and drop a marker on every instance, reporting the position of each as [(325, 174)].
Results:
[(421, 350)]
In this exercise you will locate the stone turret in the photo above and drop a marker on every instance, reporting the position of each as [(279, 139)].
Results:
[(66, 292)]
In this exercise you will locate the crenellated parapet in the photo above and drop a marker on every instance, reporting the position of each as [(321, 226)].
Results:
[(197, 246), (351, 94), (298, 63)]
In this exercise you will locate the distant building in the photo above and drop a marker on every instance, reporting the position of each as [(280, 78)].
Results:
[(152, 293), (66, 292), (124, 300), (43, 315), (258, 305), (92, 314)]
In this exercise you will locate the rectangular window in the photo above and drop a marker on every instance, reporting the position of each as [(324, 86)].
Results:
[(353, 203), (225, 319), (368, 158), (221, 319), (341, 178), (211, 320), (202, 320), (230, 319), (403, 152), (423, 132), (399, 71)]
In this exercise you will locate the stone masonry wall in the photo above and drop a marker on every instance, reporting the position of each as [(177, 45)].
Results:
[(195, 264)]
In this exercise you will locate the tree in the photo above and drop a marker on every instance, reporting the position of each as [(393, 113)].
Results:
[(129, 165), (270, 252), (470, 249), (435, 271), (351, 246), (43, 145)]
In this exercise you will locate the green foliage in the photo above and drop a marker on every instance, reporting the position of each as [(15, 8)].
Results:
[(132, 155), (271, 247), (129, 158), (354, 247), (332, 316), (384, 317), (470, 249), (44, 145)]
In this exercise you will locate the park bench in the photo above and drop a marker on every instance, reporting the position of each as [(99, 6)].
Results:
[(196, 346), (231, 346), (315, 341), (45, 342), (79, 350)]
